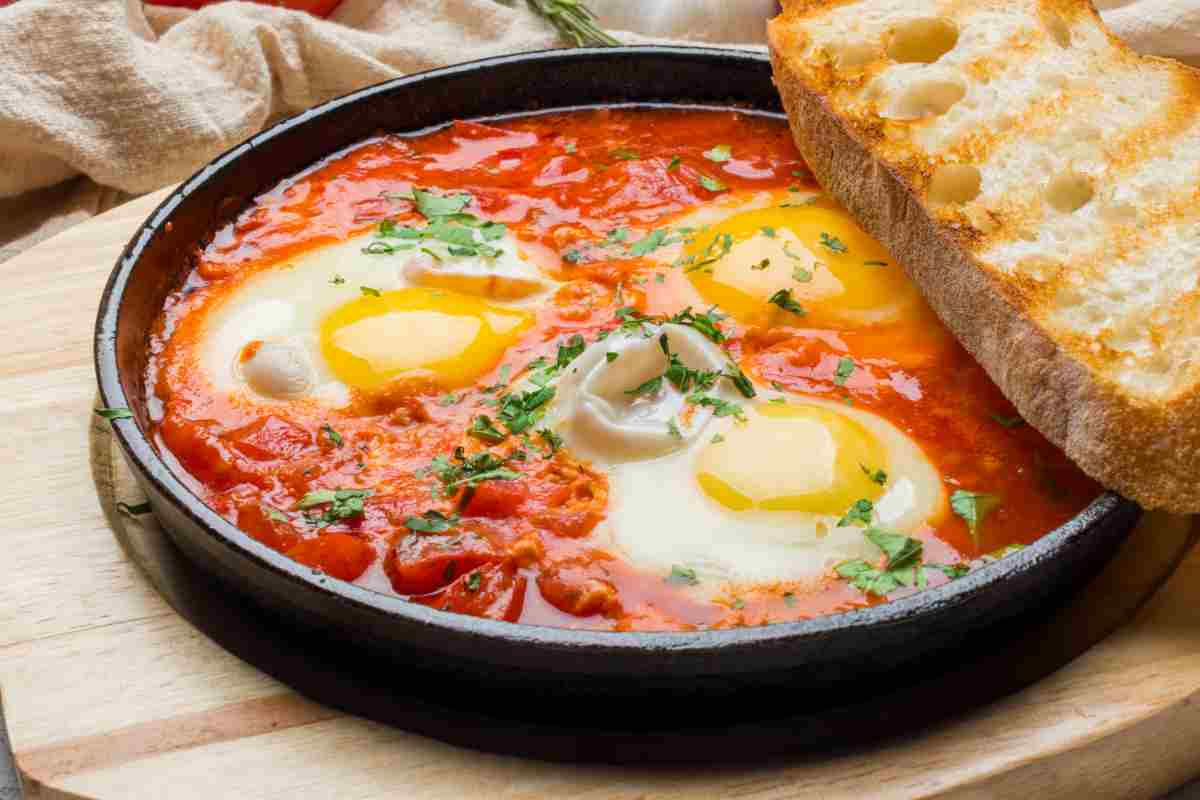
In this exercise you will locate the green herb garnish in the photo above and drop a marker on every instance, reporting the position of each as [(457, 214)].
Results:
[(783, 299), (973, 507)]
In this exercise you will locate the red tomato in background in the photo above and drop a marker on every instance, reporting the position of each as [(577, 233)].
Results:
[(320, 8)]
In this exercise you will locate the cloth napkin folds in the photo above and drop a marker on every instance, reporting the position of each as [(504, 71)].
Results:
[(104, 99)]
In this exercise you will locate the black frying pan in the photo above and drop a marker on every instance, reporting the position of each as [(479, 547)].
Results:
[(815, 661)]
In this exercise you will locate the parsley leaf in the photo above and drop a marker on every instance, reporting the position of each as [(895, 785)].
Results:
[(625, 154), (974, 508), (474, 580), (845, 368), (482, 428), (766, 262), (611, 357), (650, 387), (343, 503), (652, 241), (901, 568), (552, 440), (833, 243), (333, 435), (431, 522), (783, 299), (674, 165), (570, 351), (370, 292), (111, 414), (430, 205), (705, 323), (859, 513), (712, 184), (682, 576), (337, 280), (518, 412), (721, 152), (721, 408), (461, 470), (878, 476)]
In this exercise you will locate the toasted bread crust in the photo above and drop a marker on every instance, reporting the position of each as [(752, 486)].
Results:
[(1146, 449)]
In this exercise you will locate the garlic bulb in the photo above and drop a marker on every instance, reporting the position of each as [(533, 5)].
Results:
[(697, 20)]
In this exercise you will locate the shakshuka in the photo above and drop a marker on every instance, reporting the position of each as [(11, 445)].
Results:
[(612, 369)]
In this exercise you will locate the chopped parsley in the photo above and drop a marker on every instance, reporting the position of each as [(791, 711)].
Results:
[(431, 522), (430, 205), (859, 513), (721, 152), (717, 438), (682, 576), (483, 429), (768, 231), (712, 184), (845, 368), (652, 241), (766, 262), (333, 435), (136, 510), (721, 408), (1014, 421), (343, 503), (552, 440), (625, 154), (901, 567), (801, 275), (648, 388), (877, 476), (518, 412), (674, 165), (832, 243), (611, 357), (449, 399), (706, 323), (474, 580), (673, 428), (973, 507), (570, 351), (337, 280), (470, 471), (875, 264), (951, 571), (783, 299), (111, 414), (274, 514), (370, 292)]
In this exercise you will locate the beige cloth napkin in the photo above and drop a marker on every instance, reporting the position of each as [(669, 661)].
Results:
[(103, 99)]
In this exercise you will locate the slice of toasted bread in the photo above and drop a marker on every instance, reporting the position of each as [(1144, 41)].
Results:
[(1041, 183)]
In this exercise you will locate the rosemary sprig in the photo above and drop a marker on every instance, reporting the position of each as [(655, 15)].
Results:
[(573, 20)]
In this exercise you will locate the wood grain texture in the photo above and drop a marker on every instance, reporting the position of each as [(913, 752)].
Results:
[(110, 693)]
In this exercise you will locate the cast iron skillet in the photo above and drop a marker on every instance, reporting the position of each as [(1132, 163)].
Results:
[(815, 660)]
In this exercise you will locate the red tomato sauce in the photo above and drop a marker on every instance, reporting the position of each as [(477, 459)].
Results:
[(520, 550)]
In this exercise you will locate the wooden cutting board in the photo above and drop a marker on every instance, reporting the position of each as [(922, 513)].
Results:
[(110, 692)]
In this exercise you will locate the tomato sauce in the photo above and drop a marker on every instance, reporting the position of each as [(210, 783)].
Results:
[(520, 550)]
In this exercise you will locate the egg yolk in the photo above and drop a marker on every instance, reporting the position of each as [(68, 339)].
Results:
[(809, 246), (449, 337), (792, 458)]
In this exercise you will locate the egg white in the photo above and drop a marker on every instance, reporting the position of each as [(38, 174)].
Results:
[(659, 517), (283, 306)]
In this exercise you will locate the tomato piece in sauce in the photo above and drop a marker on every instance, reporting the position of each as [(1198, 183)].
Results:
[(340, 555), (492, 591), (420, 563)]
